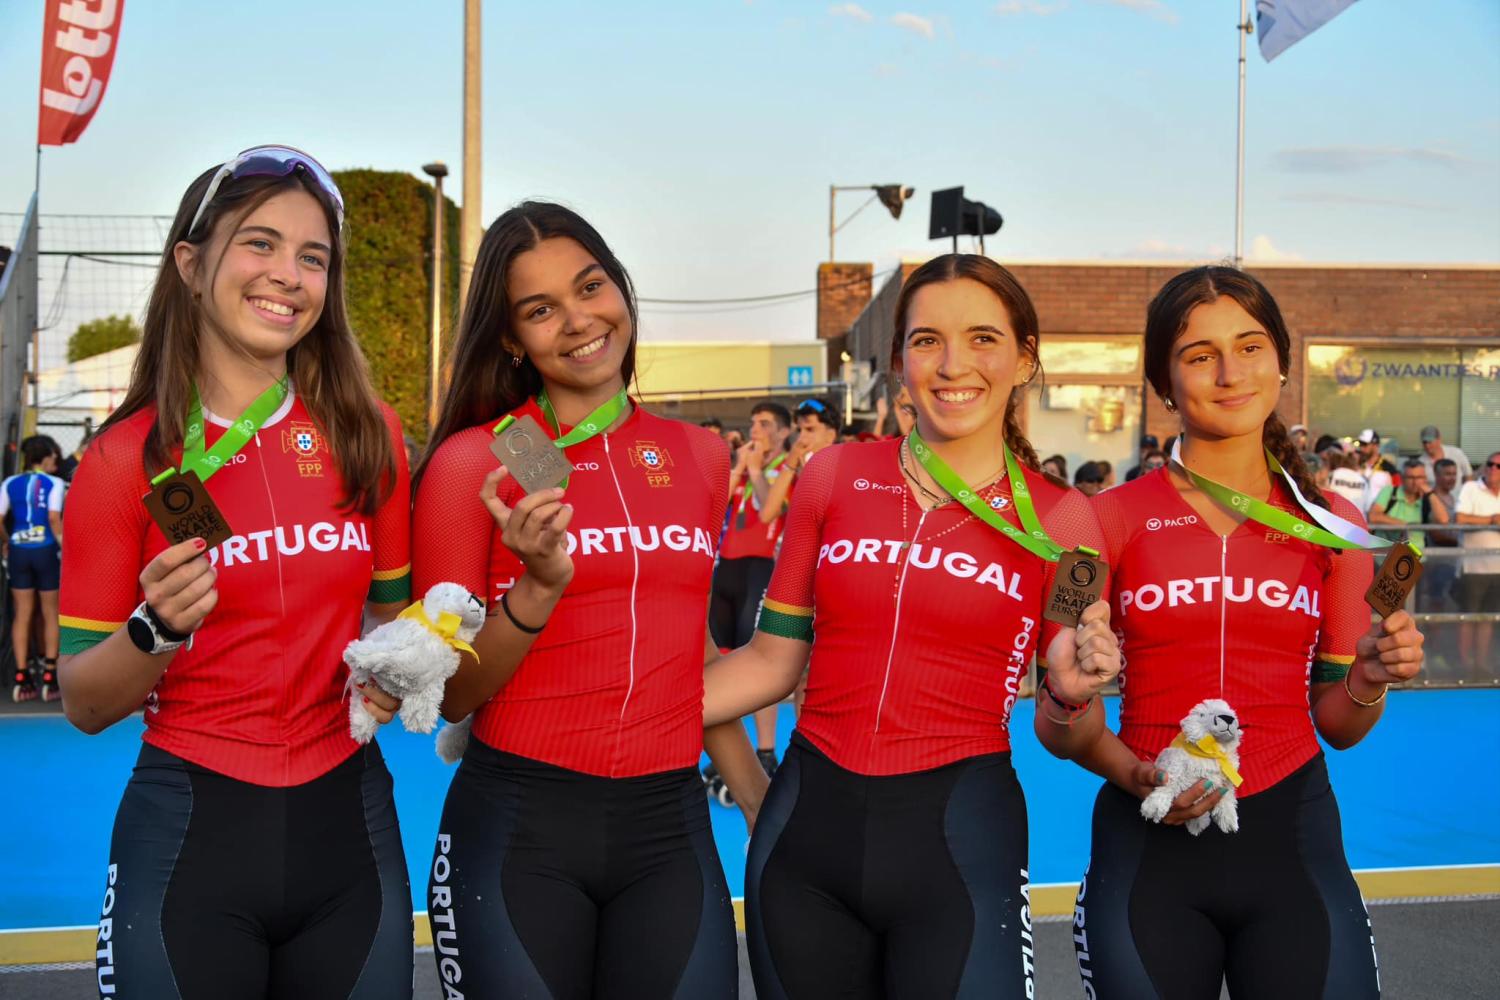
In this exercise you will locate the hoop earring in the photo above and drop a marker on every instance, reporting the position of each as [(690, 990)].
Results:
[(1167, 402)]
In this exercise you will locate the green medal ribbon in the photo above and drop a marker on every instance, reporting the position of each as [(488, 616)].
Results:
[(749, 491), (1033, 539), (238, 434), (1331, 531), (590, 426)]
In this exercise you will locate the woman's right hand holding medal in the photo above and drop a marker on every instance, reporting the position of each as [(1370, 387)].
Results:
[(535, 529), (179, 585)]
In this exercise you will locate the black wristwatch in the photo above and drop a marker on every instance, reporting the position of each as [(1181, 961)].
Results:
[(152, 635)]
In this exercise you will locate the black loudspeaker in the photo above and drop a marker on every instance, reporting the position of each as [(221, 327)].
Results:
[(953, 215)]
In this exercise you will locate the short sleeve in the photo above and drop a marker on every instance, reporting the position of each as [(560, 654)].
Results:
[(1468, 499), (452, 530), (1382, 498), (712, 457), (391, 531), (106, 525), (787, 610), (1071, 522), (55, 494), (1346, 616), (5, 497)]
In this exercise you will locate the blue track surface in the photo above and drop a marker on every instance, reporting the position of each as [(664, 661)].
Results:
[(1398, 811)]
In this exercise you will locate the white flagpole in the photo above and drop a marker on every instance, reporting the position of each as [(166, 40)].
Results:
[(1243, 29)]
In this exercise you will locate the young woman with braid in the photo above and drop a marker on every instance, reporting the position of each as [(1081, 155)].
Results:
[(890, 856), (574, 857), (1232, 580)]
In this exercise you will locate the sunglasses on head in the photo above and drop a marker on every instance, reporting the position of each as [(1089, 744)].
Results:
[(271, 161), (816, 405)]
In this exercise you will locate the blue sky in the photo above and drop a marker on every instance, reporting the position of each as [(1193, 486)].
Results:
[(701, 137)]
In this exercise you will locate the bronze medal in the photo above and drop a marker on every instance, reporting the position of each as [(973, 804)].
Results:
[(529, 455), (1399, 573), (1079, 582), (182, 509)]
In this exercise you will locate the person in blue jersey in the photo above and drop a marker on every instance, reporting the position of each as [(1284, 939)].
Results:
[(31, 503)]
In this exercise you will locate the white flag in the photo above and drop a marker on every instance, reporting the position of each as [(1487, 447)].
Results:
[(1282, 23)]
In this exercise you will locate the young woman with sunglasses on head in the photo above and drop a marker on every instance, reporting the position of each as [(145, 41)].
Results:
[(255, 852), (890, 856), (574, 856), (1232, 579)]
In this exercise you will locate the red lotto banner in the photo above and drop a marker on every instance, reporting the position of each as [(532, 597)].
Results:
[(78, 51)]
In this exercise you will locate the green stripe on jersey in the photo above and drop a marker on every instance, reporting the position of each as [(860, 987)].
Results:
[(1325, 672), (391, 591), (75, 640), (786, 621)]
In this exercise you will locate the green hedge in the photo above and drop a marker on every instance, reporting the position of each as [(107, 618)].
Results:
[(100, 335), (390, 235)]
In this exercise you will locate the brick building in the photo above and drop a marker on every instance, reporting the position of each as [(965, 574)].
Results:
[(1393, 347)]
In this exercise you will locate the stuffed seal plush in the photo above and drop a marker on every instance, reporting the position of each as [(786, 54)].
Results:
[(1208, 747), (413, 656)]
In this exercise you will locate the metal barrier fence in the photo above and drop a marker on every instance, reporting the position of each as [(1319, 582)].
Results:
[(1462, 647)]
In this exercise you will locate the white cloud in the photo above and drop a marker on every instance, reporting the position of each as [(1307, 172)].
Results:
[(851, 10), (915, 23), (1343, 198), (1263, 250), (1154, 8), (1351, 159), (1007, 7)]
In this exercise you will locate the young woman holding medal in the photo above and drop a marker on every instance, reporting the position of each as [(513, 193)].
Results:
[(255, 851), (1233, 577), (574, 856), (890, 855)]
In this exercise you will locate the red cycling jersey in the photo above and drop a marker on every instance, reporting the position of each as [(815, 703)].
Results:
[(755, 539), (918, 652), (613, 686), (259, 694), (1250, 617)]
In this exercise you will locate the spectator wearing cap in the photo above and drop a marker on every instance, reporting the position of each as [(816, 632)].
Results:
[(1299, 436), (1378, 472), (1479, 584), (1089, 479), (1434, 449), (1148, 444)]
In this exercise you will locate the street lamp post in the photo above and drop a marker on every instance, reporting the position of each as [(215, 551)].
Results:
[(437, 171), (892, 196)]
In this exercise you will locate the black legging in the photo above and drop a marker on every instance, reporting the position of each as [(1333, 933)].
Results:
[(739, 585), (223, 890), (553, 884), (1273, 909), (911, 885)]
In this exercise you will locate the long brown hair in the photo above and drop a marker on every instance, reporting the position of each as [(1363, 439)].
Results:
[(951, 267), (1167, 317), (485, 383), (326, 366)]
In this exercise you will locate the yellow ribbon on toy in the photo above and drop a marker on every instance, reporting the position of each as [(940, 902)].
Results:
[(445, 629), (1208, 748)]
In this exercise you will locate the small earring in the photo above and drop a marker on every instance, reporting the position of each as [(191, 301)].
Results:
[(1283, 380), (1167, 402), (515, 361)]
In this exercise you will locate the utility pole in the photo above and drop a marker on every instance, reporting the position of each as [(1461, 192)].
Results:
[(437, 171), (469, 224), (1243, 29)]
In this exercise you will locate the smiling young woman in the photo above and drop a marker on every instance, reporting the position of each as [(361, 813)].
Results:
[(574, 856), (255, 851), (890, 857), (1233, 577)]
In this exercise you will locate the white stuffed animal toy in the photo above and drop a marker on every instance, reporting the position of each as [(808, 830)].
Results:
[(1208, 747), (413, 656)]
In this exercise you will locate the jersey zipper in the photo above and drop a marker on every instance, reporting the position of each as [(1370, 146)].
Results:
[(1223, 603), (890, 655), (260, 460), (635, 576)]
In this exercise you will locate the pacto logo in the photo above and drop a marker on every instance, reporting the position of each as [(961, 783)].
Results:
[(861, 484), (1157, 523)]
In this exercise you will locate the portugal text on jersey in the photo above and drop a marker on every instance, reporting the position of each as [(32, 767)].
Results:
[(259, 695), (923, 623), (1251, 617), (613, 686)]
